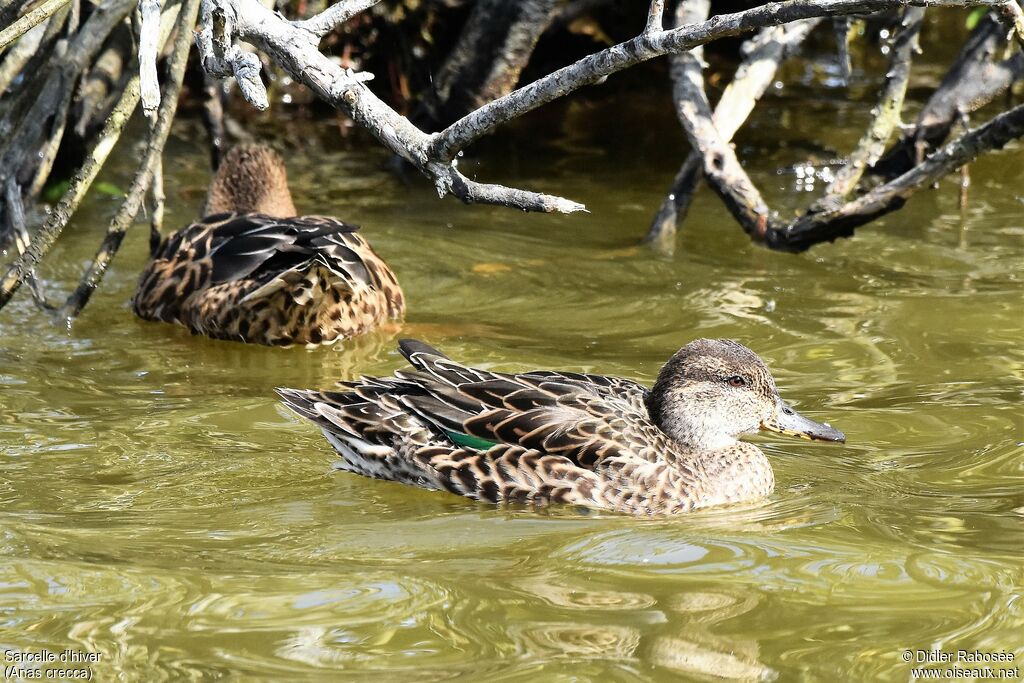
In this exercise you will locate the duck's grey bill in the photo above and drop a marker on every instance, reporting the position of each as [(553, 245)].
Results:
[(788, 421)]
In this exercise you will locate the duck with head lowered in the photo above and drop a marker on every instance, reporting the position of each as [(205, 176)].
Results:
[(561, 437), (252, 270)]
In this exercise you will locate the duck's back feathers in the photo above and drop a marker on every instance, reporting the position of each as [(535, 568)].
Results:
[(252, 277)]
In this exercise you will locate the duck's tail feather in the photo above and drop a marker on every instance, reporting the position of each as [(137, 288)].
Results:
[(368, 427)]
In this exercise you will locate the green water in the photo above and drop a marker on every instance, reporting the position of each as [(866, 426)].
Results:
[(160, 509)]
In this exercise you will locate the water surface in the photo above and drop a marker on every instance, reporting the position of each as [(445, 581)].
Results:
[(158, 507)]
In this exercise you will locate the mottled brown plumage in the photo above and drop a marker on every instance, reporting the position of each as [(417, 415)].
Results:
[(557, 437), (252, 271)]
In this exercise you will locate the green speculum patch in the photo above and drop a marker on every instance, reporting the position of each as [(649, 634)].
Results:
[(467, 441)]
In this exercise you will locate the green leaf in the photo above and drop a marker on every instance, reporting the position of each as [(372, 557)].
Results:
[(54, 191), (109, 189), (974, 17)]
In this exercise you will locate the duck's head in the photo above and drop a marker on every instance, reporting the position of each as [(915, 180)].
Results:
[(713, 390), (250, 179)]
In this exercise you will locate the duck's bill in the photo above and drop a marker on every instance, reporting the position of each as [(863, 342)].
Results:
[(788, 421)]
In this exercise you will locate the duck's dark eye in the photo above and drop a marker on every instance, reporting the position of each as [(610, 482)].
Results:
[(737, 381)]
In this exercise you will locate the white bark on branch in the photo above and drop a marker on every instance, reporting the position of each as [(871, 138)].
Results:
[(655, 17), (223, 58), (334, 16), (1013, 13), (149, 36)]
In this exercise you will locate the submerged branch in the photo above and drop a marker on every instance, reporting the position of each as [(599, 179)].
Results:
[(886, 116), (762, 56), (827, 225)]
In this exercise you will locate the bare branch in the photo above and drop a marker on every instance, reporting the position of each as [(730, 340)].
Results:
[(494, 46), (144, 174), (972, 81), (295, 50), (1015, 17), (472, 192), (16, 219), (594, 67), (156, 218), (36, 16), (333, 16), (656, 17), (47, 235), (762, 56), (149, 35), (22, 138), (19, 55), (722, 169), (222, 58), (841, 221)]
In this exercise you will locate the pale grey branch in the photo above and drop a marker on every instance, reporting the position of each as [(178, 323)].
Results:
[(655, 17), (295, 50), (149, 37), (335, 15), (593, 68), (36, 16)]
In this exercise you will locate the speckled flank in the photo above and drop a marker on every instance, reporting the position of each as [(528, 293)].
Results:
[(556, 437)]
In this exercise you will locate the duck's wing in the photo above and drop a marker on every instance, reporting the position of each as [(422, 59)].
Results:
[(585, 418), (263, 247)]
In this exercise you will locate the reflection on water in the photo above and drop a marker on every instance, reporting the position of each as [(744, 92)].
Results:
[(159, 508)]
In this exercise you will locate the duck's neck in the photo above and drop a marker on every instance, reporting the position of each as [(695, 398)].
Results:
[(250, 180), (694, 433)]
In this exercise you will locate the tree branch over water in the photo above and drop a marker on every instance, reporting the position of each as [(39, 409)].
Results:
[(53, 73), (296, 51)]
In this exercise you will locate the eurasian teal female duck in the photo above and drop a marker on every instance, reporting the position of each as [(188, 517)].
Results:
[(544, 437), (253, 271)]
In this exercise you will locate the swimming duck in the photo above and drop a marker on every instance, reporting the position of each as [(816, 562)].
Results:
[(253, 271), (545, 437)]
